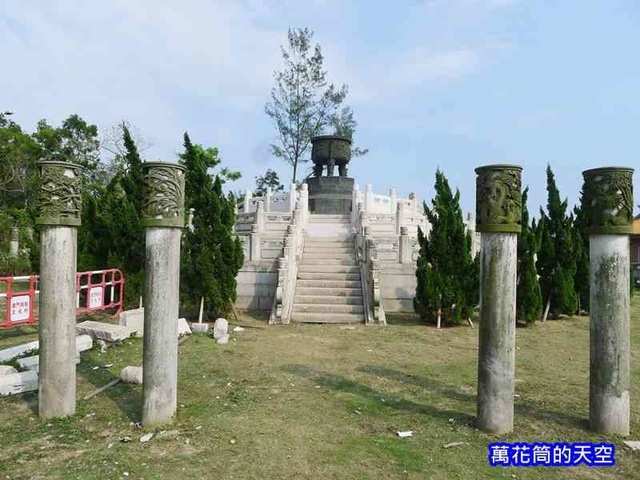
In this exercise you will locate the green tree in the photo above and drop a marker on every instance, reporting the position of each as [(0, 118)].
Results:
[(556, 258), (528, 295), (303, 104), (447, 275), (269, 179), (211, 254), (581, 245)]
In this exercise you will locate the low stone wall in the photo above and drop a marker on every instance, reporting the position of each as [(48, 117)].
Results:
[(398, 286), (256, 285)]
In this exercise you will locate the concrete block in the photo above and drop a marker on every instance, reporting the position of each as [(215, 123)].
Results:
[(18, 383), (183, 327), (32, 363), (83, 342), (200, 327), (134, 319), (7, 370), (104, 331)]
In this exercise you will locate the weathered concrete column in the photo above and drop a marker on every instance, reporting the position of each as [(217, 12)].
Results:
[(59, 202), (14, 243), (608, 200), (393, 201), (163, 218), (499, 218)]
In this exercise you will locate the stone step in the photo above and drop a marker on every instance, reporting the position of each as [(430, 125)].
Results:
[(326, 242), (328, 269), (329, 249), (328, 291), (343, 262), (336, 284), (328, 254), (327, 317), (325, 217), (328, 299), (329, 276), (326, 308)]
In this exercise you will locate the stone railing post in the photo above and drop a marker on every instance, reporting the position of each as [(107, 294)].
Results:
[(500, 221), (354, 205), (393, 202), (413, 202), (254, 252), (608, 195), (163, 218), (190, 219), (14, 244), (292, 196), (368, 198), (400, 217), (404, 246), (304, 203), (267, 199), (246, 206), (60, 207), (260, 216)]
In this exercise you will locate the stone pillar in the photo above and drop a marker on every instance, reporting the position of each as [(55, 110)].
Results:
[(393, 202), (499, 218), (267, 199), (190, 220), (404, 246), (608, 197), (14, 244), (59, 202), (162, 216), (368, 198), (246, 207), (354, 205), (292, 196)]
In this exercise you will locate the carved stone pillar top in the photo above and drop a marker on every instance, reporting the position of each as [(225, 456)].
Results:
[(607, 195), (162, 195), (498, 198), (59, 198)]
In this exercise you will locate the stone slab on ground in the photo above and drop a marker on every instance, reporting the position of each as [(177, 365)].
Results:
[(7, 370), (104, 331), (200, 327), (32, 363), (632, 444), (18, 383), (131, 374), (183, 327), (133, 319), (83, 342), (223, 340)]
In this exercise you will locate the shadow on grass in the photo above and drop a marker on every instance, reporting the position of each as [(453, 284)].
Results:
[(343, 384), (525, 408), (128, 397), (18, 331)]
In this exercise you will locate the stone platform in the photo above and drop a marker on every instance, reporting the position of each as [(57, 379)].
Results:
[(330, 195)]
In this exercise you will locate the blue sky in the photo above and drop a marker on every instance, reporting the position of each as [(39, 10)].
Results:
[(442, 83)]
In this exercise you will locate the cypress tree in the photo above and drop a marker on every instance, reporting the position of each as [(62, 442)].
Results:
[(446, 275), (211, 255), (581, 242), (556, 257), (528, 295)]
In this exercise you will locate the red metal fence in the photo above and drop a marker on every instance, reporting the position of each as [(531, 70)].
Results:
[(95, 290)]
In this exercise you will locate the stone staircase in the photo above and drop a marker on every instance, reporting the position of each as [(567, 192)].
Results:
[(328, 287)]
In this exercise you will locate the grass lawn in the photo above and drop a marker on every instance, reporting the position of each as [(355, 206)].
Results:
[(318, 402)]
